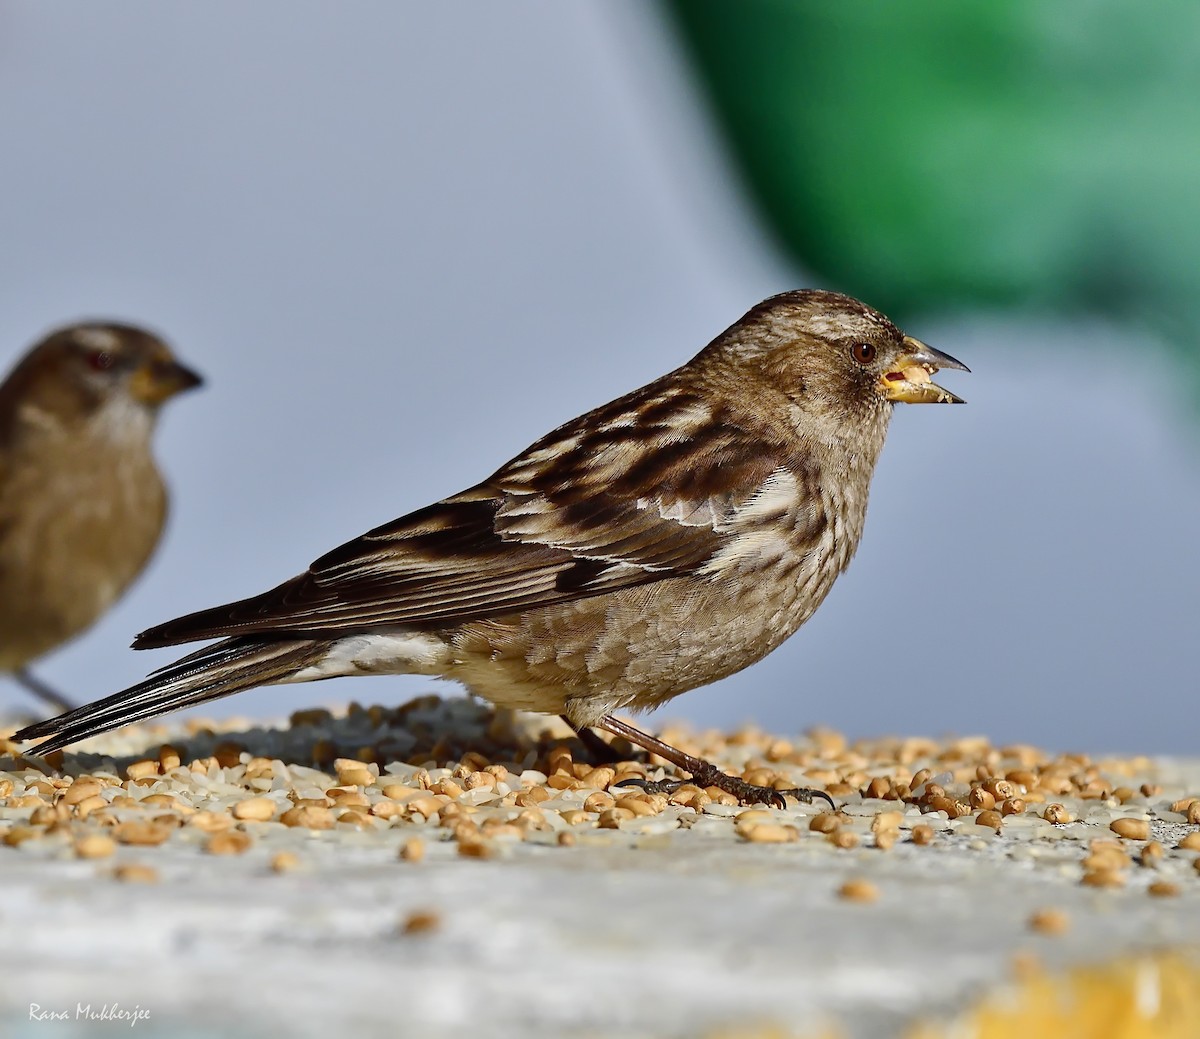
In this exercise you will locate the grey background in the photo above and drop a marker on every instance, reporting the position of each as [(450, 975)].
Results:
[(402, 241)]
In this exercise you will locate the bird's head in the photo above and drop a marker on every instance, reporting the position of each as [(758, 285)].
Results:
[(82, 369), (834, 356)]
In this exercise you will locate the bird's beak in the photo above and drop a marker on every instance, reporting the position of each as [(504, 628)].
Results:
[(157, 380), (908, 379)]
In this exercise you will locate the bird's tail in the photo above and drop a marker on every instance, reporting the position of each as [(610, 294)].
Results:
[(208, 674)]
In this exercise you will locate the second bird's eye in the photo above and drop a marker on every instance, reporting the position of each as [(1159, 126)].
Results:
[(863, 353), (101, 360)]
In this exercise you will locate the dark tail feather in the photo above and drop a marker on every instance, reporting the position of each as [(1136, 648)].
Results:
[(208, 674)]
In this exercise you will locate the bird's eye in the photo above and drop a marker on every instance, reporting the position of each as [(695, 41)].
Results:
[(863, 353), (100, 360)]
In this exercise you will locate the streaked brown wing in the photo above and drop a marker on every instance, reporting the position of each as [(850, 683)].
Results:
[(587, 510)]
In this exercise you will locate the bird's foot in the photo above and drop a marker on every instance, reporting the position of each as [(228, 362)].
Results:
[(746, 793)]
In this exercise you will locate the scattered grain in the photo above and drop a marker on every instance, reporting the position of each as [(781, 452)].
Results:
[(1131, 829), (1050, 921), (858, 890)]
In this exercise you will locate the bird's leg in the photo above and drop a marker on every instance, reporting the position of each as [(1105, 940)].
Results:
[(703, 773), (599, 749), (45, 693)]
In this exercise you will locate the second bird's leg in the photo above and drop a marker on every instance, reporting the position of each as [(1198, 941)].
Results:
[(45, 693), (599, 749), (705, 773)]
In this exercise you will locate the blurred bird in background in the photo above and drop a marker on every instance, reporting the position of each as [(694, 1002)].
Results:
[(82, 503)]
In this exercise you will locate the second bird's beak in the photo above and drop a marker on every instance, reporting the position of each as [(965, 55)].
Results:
[(157, 380), (908, 379)]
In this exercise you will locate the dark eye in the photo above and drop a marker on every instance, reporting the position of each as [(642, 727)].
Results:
[(101, 360), (863, 353)]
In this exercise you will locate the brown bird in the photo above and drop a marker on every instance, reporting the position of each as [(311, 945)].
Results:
[(651, 546), (82, 503)]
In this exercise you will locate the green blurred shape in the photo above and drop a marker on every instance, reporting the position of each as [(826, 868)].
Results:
[(934, 153)]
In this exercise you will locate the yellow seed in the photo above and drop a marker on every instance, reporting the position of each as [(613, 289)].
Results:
[(1057, 814), (95, 846), (636, 805), (89, 804), (167, 801), (135, 873), (285, 861), (886, 821), (1105, 858), (980, 798), (575, 816), (1000, 789), (141, 833), (421, 922), (449, 788), (398, 791), (256, 808), (923, 776), (532, 819), (169, 757), (566, 838), (769, 833), (479, 781), (825, 822), (1152, 854), (858, 890), (878, 788), (412, 850), (1163, 889), (885, 839), (754, 815), (18, 835), (922, 834), (611, 818), (601, 778), (1193, 813), (598, 801), (311, 817), (142, 769), (476, 849), (844, 839), (1103, 878), (992, 819), (229, 842), (535, 795), (212, 822), (1131, 829), (426, 806), (1012, 806), (80, 790), (1191, 842), (1049, 921), (355, 777), (44, 815)]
